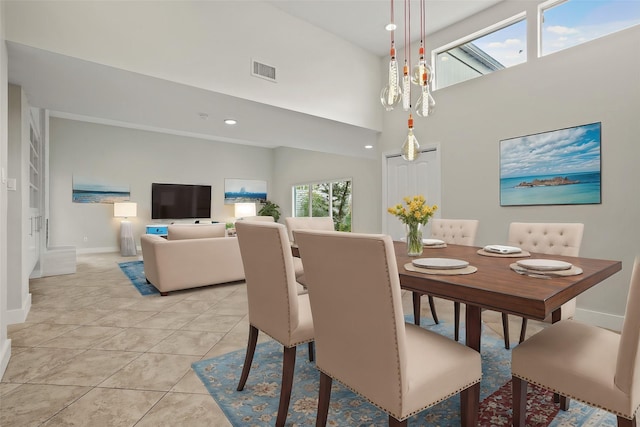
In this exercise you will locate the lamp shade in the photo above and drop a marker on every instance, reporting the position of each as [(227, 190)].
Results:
[(125, 209), (245, 209)]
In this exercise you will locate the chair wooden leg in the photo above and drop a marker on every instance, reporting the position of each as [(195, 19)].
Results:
[(312, 351), (469, 404), (324, 397), (395, 423), (623, 422), (456, 320), (564, 402), (523, 330), (251, 348), (416, 308), (288, 365), (519, 399), (432, 306), (505, 330)]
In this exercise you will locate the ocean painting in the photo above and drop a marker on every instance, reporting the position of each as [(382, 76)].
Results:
[(244, 191), (89, 190), (561, 167)]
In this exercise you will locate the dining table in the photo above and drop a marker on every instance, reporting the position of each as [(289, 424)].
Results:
[(495, 285)]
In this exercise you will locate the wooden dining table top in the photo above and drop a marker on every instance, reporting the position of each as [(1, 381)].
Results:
[(497, 287)]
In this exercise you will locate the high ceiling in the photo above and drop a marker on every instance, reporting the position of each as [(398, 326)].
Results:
[(67, 86)]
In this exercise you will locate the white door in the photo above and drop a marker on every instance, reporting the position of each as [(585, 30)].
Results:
[(402, 178)]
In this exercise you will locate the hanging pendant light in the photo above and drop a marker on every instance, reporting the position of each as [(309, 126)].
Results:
[(390, 94), (406, 80), (423, 74), (410, 149)]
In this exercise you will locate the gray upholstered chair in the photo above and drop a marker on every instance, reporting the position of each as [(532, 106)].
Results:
[(547, 238), (275, 307), (593, 365), (362, 339), (455, 232)]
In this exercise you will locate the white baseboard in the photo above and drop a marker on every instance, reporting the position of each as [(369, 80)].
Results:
[(97, 250), (596, 318), (5, 354), (19, 315)]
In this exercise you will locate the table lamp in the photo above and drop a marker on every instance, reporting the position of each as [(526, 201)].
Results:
[(243, 210), (126, 210)]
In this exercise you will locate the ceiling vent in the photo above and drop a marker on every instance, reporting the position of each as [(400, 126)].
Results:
[(259, 69)]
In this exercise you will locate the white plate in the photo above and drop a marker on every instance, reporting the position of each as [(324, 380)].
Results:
[(440, 263), (432, 242), (501, 249), (544, 264)]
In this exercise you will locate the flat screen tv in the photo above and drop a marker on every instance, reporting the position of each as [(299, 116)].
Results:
[(180, 201)]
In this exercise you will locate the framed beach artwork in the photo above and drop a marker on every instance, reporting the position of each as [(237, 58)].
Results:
[(560, 167), (92, 190), (244, 191)]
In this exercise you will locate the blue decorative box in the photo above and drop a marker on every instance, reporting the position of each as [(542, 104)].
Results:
[(159, 229)]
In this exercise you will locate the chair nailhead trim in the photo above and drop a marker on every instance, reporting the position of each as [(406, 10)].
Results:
[(627, 416)]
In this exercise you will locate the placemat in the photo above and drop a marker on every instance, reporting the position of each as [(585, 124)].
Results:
[(522, 254), (573, 271), (448, 272)]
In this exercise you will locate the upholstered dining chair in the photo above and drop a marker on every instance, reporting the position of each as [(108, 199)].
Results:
[(455, 232), (546, 238), (307, 223), (275, 307), (266, 218), (593, 365), (362, 340)]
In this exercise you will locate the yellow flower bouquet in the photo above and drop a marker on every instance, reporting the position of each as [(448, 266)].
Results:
[(414, 215)]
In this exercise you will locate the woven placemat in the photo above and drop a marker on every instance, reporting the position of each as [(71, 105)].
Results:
[(445, 272), (573, 271), (522, 254)]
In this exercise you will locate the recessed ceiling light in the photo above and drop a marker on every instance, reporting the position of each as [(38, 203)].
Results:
[(203, 116), (368, 147), (230, 121), (390, 26)]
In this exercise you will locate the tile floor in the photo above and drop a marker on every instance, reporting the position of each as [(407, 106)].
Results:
[(94, 352)]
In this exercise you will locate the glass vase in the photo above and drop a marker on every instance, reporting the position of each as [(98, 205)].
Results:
[(414, 239)]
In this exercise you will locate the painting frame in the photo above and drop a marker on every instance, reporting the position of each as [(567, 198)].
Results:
[(557, 167), (237, 190)]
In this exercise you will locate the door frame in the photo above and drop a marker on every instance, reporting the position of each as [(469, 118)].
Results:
[(435, 146)]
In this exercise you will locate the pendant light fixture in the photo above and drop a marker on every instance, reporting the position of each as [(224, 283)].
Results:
[(390, 94), (421, 75)]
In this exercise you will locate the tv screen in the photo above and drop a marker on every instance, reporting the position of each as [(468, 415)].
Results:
[(180, 201)]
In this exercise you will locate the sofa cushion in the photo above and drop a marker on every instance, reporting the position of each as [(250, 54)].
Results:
[(195, 231)]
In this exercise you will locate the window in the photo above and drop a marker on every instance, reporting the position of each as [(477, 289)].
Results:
[(495, 48), (331, 198), (571, 22)]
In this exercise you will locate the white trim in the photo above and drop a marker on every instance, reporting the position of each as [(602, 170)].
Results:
[(5, 355), (596, 318), (97, 250), (19, 315)]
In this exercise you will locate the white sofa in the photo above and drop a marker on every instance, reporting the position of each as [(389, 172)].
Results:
[(191, 256)]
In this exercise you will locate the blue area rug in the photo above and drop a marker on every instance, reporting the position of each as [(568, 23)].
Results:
[(257, 404), (134, 270)]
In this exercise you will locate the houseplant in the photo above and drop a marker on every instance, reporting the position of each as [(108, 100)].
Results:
[(270, 209), (414, 216)]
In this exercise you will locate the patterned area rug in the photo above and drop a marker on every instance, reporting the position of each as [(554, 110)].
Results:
[(257, 405), (134, 270)]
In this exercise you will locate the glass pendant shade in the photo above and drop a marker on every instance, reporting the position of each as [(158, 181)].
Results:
[(410, 149), (406, 88), (390, 94), (425, 109)]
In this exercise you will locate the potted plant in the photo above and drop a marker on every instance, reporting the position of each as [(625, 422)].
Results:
[(270, 209)]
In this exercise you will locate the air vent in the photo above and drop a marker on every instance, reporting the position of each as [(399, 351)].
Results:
[(262, 70)]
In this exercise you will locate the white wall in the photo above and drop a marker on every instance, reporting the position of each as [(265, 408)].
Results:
[(135, 158), (200, 44), (5, 343), (292, 167), (595, 82)]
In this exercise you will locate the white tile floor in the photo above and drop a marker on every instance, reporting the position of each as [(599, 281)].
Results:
[(94, 352)]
